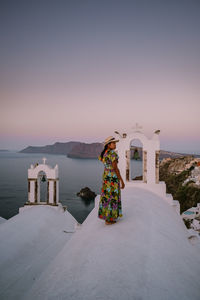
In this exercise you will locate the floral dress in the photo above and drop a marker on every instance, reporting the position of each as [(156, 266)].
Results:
[(110, 207)]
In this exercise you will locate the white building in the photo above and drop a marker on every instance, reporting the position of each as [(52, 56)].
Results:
[(38, 173), (191, 213), (151, 150), (195, 176), (195, 225)]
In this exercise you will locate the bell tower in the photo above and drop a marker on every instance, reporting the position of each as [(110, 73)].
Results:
[(43, 172), (150, 162)]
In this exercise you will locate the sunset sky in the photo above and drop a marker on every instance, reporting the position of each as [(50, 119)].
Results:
[(79, 70)]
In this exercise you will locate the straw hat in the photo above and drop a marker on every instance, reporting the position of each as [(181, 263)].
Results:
[(110, 139)]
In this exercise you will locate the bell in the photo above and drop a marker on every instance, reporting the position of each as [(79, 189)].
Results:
[(136, 154), (43, 179)]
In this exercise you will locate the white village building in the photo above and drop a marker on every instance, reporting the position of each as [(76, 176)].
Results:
[(191, 213), (147, 255), (195, 176), (43, 172)]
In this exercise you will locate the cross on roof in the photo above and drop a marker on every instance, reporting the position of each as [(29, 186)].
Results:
[(137, 127), (44, 160)]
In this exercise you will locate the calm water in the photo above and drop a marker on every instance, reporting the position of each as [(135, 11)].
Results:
[(74, 174)]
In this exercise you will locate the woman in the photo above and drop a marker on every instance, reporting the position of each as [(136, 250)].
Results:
[(110, 202)]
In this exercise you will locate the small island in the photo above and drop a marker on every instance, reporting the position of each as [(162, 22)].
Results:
[(86, 193)]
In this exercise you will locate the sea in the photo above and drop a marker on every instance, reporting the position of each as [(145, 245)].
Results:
[(74, 174)]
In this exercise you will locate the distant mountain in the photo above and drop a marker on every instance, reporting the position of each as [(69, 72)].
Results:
[(163, 153), (166, 154), (57, 148), (84, 150), (70, 149)]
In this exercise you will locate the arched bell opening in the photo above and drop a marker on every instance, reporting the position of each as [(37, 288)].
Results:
[(136, 160), (43, 187)]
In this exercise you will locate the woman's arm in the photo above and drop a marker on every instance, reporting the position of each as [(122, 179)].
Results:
[(115, 167)]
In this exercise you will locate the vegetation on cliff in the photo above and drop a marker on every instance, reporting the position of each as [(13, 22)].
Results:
[(188, 195)]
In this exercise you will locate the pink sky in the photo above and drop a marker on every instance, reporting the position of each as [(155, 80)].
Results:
[(81, 79)]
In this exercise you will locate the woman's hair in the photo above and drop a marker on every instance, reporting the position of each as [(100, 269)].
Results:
[(104, 150)]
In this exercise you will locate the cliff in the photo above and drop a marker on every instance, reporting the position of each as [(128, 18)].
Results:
[(85, 150), (175, 172), (57, 148), (71, 149)]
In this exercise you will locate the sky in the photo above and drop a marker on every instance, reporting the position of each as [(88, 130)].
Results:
[(79, 70)]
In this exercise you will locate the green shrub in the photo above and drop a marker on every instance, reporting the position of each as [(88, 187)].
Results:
[(187, 223)]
